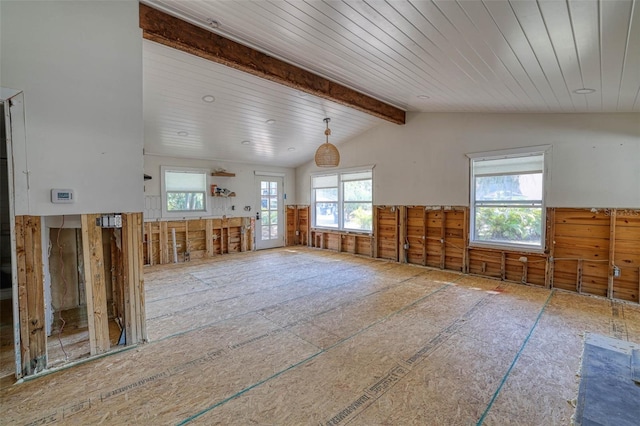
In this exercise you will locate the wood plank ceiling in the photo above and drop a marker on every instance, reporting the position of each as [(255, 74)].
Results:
[(427, 56)]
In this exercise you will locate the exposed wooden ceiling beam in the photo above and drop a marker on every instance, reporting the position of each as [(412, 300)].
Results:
[(168, 30)]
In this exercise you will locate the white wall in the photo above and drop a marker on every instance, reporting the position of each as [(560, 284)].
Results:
[(243, 184), (594, 162), (80, 66)]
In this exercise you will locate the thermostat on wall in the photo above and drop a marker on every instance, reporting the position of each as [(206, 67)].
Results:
[(62, 196)]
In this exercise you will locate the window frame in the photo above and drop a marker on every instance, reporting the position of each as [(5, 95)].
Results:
[(544, 151), (341, 201), (184, 213)]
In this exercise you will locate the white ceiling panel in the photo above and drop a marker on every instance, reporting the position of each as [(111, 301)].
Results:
[(175, 84), (465, 56)]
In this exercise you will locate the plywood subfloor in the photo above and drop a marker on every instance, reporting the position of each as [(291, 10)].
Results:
[(303, 336)]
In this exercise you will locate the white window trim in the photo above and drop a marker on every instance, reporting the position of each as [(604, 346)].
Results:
[(184, 214), (545, 150), (366, 168)]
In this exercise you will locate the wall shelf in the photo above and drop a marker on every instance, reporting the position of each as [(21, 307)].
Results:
[(223, 174)]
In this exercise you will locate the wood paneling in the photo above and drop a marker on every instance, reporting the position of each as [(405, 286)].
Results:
[(627, 256), (387, 232), (416, 235), (581, 236)]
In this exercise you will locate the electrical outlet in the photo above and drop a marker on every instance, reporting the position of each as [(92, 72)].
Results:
[(616, 272)]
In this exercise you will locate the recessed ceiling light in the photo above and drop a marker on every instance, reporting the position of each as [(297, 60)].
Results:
[(270, 121), (208, 98), (291, 149), (584, 91), (246, 142), (183, 133), (423, 97)]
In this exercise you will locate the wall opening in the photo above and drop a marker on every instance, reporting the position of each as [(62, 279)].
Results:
[(68, 335), (7, 354)]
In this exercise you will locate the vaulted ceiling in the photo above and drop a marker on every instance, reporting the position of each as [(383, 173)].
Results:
[(521, 56)]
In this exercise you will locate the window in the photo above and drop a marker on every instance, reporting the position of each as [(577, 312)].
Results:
[(507, 200), (185, 190), (343, 201)]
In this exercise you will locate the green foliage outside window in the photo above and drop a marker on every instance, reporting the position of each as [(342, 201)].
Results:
[(185, 201), (363, 218), (509, 224)]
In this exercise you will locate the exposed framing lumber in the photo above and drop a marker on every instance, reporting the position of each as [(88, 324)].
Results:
[(116, 275), (139, 283), (170, 31), (465, 242), (133, 278), (149, 243), (223, 243), (376, 232), (296, 227), (402, 238), (550, 263), (579, 276), (443, 234), (244, 240), (164, 242), (612, 250), (33, 342), (425, 218), (96, 290), (186, 254), (23, 295), (208, 230), (128, 267)]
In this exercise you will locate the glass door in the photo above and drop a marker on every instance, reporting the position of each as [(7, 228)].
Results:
[(270, 214)]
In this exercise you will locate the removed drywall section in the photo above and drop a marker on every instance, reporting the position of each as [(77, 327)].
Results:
[(297, 222), (195, 239), (97, 288), (588, 251), (243, 184), (594, 159), (80, 67)]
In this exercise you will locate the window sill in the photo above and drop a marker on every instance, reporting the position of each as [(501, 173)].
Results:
[(341, 231), (507, 247)]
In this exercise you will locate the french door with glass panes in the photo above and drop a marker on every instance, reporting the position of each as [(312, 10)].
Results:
[(270, 214)]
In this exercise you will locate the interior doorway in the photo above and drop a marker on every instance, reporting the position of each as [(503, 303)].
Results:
[(270, 213)]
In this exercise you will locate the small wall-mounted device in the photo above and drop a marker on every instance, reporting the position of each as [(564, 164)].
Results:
[(62, 196), (616, 272)]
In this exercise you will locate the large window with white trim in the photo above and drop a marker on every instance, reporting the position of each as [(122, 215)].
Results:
[(507, 200), (185, 190), (343, 200)]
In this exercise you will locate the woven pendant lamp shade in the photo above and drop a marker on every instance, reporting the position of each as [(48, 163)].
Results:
[(327, 154)]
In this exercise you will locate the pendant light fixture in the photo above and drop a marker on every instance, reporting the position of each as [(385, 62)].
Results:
[(327, 154)]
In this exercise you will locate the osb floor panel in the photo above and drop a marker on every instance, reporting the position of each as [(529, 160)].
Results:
[(303, 336)]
